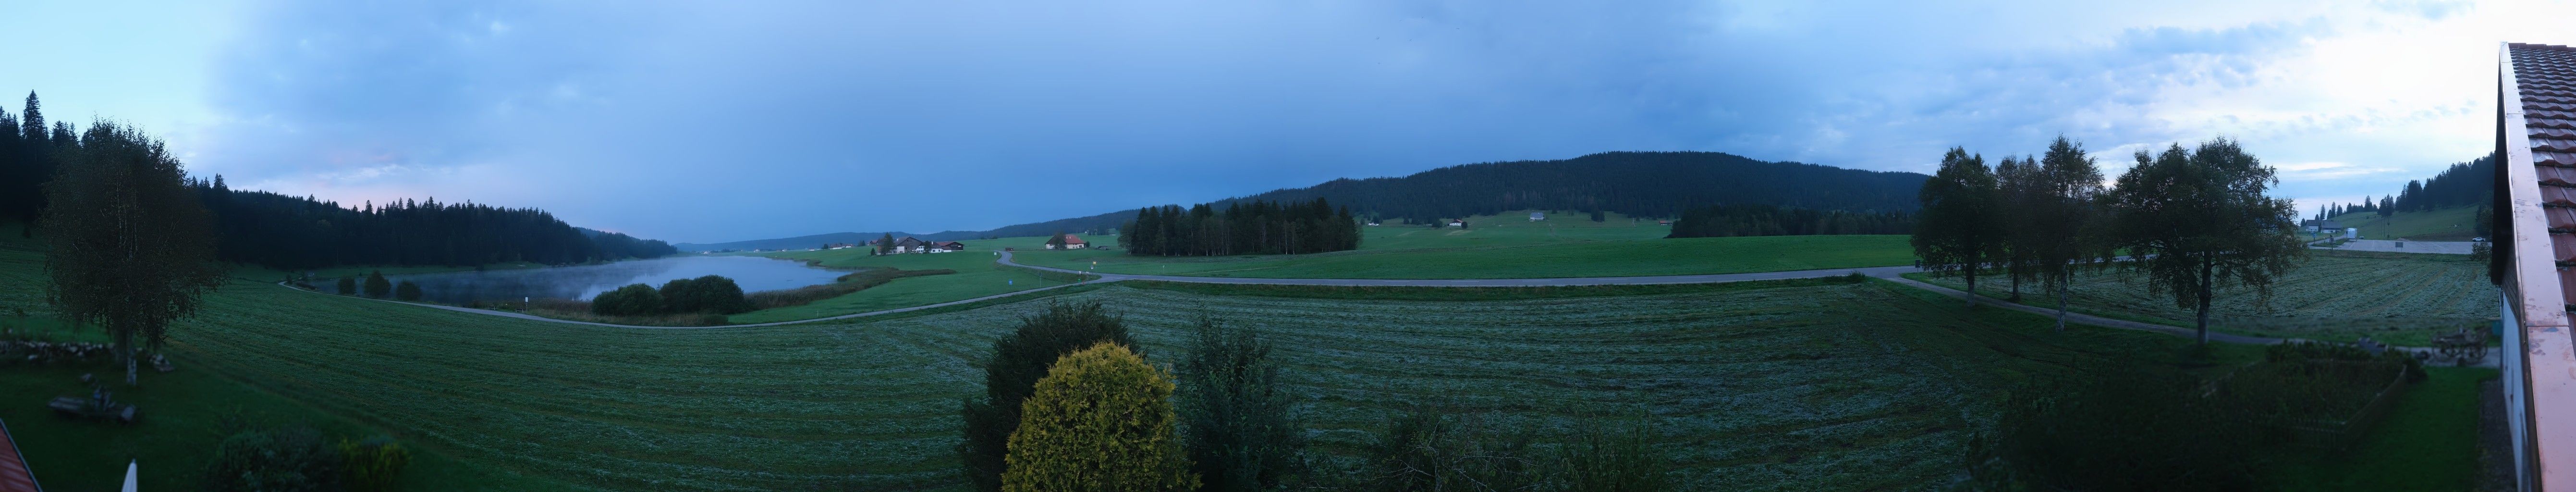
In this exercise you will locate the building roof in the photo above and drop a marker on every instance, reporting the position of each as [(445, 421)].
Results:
[(2323, 224), (2536, 243), (1073, 239), (14, 475)]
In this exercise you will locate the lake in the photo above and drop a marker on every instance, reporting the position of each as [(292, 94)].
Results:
[(753, 273)]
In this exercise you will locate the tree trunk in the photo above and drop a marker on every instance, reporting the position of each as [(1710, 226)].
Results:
[(2201, 327), (125, 349), (2061, 303), (2015, 273), (1972, 284)]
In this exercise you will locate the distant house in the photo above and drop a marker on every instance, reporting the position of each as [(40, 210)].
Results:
[(910, 244), (1538, 216), (1457, 223), (2315, 225), (1663, 222), (1070, 242), (947, 247), (839, 246)]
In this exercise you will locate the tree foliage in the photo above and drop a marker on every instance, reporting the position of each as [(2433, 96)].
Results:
[(1960, 228), (407, 291), (713, 294), (292, 458), (1019, 360), (377, 286), (285, 232), (631, 300), (2199, 219), (2054, 228), (1257, 227), (1101, 420), (1241, 432), (348, 286), (1771, 220), (2119, 425), (129, 248)]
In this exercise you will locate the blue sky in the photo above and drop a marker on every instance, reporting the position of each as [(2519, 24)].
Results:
[(719, 121)]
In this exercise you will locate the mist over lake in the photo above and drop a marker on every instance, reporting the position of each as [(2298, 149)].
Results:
[(754, 274)]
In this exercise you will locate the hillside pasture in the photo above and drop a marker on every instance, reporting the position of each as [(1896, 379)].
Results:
[(977, 276), (2404, 299), (2442, 224), (1849, 386), (1502, 248)]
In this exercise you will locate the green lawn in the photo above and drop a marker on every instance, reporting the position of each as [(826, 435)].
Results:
[(1503, 249), (977, 276), (2444, 224), (2428, 442), (1852, 386), (2395, 298)]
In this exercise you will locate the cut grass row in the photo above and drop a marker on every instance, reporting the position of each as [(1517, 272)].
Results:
[(2396, 298), (1802, 387)]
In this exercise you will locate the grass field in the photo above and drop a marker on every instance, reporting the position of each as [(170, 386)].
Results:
[(1505, 247), (2428, 442), (2397, 298), (2444, 224), (977, 276), (1856, 386)]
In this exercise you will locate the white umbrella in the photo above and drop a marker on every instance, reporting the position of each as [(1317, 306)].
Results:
[(129, 476)]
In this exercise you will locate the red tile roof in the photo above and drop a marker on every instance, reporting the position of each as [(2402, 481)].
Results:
[(2535, 245), (14, 475), (1073, 239)]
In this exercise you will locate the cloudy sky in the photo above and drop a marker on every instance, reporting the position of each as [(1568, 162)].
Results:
[(719, 121)]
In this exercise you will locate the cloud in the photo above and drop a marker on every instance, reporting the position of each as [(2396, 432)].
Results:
[(713, 121)]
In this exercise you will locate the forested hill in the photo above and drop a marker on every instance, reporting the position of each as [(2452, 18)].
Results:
[(1651, 184)]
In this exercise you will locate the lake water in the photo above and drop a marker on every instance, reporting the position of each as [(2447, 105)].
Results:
[(753, 273)]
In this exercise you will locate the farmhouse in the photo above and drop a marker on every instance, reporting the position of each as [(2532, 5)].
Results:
[(1070, 242), (1457, 223), (1538, 216), (947, 246), (2316, 225)]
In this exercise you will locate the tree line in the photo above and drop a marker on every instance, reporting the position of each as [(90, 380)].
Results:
[(1773, 220), (280, 231), (1640, 184), (2189, 219), (2462, 184), (1257, 227)]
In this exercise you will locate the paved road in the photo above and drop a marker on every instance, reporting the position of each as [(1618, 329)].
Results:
[(2383, 245), (1881, 272)]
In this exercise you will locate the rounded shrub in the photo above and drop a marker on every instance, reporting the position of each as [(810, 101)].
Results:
[(1101, 420), (348, 286), (373, 463), (290, 458), (631, 300), (407, 291)]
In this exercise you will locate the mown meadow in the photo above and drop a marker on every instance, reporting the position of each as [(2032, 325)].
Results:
[(1821, 386), (1504, 246), (2405, 299)]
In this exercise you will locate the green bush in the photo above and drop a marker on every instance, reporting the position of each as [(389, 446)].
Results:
[(1613, 455), (284, 459), (348, 286), (2122, 425), (373, 464), (1429, 449), (631, 300), (407, 291), (709, 294), (377, 287), (1019, 360), (1241, 434), (1101, 420)]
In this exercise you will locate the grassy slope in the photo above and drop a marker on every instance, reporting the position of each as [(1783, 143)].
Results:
[(977, 276), (1833, 387), (2428, 442), (1506, 247), (2402, 299), (2445, 224)]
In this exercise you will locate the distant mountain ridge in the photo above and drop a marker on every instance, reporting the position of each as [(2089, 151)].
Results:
[(1650, 184)]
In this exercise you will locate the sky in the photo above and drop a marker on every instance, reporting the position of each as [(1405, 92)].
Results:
[(721, 121)]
